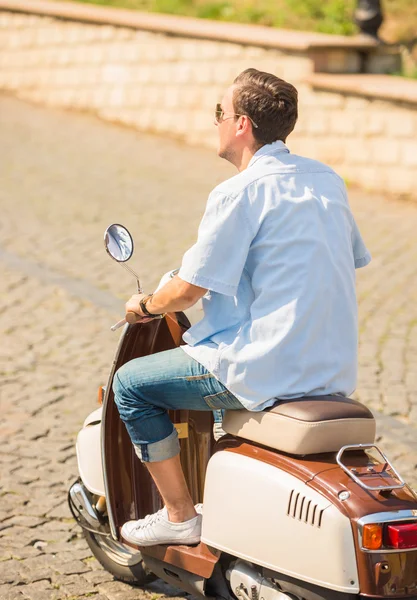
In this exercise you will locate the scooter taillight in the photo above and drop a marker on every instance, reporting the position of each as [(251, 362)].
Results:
[(401, 536)]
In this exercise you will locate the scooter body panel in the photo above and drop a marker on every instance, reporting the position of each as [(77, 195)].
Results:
[(273, 519)]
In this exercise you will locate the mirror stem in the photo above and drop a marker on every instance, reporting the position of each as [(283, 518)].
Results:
[(140, 291)]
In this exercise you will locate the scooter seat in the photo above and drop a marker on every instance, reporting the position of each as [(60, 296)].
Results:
[(310, 425)]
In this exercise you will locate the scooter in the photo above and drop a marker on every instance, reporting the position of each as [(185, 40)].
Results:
[(298, 501)]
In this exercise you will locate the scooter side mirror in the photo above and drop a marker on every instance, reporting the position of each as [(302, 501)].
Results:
[(119, 245), (118, 242)]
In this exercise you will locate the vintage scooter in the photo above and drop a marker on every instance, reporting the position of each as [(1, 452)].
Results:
[(298, 502)]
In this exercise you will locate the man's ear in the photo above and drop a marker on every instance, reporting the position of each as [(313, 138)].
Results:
[(244, 126)]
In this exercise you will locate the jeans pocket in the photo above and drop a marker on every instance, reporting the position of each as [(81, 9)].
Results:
[(223, 399)]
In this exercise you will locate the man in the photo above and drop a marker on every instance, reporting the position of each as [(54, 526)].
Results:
[(275, 266)]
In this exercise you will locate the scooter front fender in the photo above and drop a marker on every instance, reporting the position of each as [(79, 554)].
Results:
[(90, 465)]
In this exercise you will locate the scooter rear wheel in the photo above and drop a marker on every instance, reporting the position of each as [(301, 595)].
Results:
[(117, 559)]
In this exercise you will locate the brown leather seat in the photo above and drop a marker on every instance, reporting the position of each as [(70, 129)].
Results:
[(309, 425)]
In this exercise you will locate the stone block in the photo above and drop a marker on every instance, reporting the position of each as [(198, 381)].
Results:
[(358, 104), (201, 121), (254, 52), (13, 39), (209, 50), (134, 96), (106, 33), (132, 52), (357, 152), (161, 51), (123, 33), (55, 77), (203, 73), (335, 61), (191, 97), (224, 73), (171, 97), (330, 151), (90, 33), (81, 98), (292, 68), (409, 153), (63, 56), (116, 97), (400, 180), (144, 74), (330, 99), (142, 119), (232, 50), (343, 122), (95, 54), (188, 50), (182, 73), (180, 122), (152, 96), (369, 176), (119, 74), (387, 153), (27, 38), (159, 73), (318, 122), (209, 96), (401, 123), (383, 60), (66, 97), (373, 124)]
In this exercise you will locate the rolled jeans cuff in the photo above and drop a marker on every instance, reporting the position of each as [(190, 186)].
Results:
[(157, 451)]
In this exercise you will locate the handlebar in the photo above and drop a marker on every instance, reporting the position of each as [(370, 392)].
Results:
[(132, 318)]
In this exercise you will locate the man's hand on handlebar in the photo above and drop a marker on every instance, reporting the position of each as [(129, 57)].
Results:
[(134, 312)]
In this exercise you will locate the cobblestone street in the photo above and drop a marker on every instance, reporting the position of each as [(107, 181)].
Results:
[(64, 178)]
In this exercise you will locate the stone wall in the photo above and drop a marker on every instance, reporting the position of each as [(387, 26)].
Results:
[(168, 84)]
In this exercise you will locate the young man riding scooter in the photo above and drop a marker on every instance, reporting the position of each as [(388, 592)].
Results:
[(274, 264)]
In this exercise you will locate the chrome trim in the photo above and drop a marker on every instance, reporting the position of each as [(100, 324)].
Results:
[(86, 517), (103, 434), (118, 552), (357, 479), (83, 505), (381, 519), (83, 510)]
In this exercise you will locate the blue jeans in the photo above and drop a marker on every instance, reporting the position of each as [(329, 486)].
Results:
[(145, 388)]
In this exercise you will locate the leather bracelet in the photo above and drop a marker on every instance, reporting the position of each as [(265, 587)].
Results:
[(145, 311)]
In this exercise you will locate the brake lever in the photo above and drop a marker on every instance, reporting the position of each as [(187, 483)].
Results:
[(118, 325)]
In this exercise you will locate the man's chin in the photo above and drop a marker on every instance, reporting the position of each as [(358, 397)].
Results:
[(222, 153)]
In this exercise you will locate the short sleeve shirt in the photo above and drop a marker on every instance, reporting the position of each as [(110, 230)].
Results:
[(277, 250)]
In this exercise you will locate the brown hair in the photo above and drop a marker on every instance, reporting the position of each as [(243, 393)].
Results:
[(269, 101)]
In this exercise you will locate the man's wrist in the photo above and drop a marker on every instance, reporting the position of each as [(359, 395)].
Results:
[(144, 308)]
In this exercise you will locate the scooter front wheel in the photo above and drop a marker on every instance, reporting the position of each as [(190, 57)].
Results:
[(124, 564)]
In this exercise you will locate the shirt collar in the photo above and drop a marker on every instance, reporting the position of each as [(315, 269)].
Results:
[(268, 149)]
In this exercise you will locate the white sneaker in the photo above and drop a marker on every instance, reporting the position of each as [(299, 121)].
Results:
[(158, 529)]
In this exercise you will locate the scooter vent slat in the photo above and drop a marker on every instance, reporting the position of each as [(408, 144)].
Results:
[(303, 509)]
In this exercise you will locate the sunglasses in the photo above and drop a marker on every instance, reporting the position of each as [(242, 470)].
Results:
[(219, 116)]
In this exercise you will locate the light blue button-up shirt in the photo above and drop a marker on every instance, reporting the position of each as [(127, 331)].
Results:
[(277, 249)]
